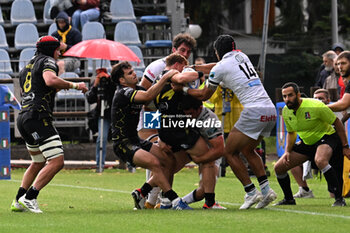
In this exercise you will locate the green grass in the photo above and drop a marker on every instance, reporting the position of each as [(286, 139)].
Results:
[(270, 145), (83, 201)]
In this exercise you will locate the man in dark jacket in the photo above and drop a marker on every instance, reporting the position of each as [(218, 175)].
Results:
[(102, 88), (68, 37)]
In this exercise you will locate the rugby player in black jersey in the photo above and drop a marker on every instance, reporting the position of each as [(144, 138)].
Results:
[(176, 139), (126, 106), (39, 84)]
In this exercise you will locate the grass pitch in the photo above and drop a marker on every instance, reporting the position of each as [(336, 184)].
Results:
[(83, 201)]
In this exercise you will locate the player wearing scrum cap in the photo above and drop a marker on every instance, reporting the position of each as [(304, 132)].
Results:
[(39, 84)]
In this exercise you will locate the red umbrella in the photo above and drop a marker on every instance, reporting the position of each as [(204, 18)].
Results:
[(102, 49)]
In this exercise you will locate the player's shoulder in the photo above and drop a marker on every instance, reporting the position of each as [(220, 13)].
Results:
[(155, 68), (310, 102)]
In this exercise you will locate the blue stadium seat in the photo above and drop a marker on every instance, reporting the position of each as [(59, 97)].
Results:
[(25, 56), (122, 10), (99, 63), (26, 36), (9, 85), (22, 11), (3, 39), (5, 63), (158, 43), (69, 75), (52, 29), (71, 93), (126, 32), (46, 13), (154, 19), (93, 30), (138, 53), (1, 17)]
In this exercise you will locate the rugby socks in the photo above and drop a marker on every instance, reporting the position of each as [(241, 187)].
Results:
[(145, 189), (190, 198), (171, 195), (333, 184), (21, 192), (284, 182), (250, 189), (209, 199), (264, 185), (32, 193), (153, 196)]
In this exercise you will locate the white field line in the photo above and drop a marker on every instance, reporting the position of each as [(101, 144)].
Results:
[(225, 203)]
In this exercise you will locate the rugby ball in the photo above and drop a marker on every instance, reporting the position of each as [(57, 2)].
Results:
[(194, 84)]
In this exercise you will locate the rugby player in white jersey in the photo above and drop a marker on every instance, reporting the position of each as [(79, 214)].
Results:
[(257, 119), (183, 44), (215, 140)]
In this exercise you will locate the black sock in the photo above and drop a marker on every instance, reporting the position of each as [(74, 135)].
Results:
[(171, 195), (262, 179), (285, 185), (306, 189), (32, 193), (249, 188), (209, 199), (21, 192), (194, 196), (145, 189), (333, 184)]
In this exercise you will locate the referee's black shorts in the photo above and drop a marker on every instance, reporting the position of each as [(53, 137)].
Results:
[(337, 159)]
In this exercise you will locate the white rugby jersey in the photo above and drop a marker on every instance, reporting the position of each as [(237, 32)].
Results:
[(209, 133), (237, 73), (154, 69)]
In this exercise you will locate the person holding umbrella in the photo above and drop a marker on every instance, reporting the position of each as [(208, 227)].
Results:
[(103, 88), (113, 51)]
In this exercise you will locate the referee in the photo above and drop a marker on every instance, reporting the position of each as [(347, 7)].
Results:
[(312, 121)]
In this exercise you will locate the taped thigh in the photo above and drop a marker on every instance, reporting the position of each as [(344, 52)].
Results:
[(51, 147), (35, 153)]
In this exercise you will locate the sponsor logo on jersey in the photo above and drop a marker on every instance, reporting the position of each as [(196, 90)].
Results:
[(307, 115)]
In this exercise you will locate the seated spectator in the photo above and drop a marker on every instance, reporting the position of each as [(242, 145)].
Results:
[(87, 10), (56, 6), (68, 37)]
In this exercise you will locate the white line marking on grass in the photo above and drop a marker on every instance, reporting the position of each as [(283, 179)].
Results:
[(82, 187), (225, 203), (296, 211)]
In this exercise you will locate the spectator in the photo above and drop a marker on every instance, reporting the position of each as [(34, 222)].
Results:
[(87, 10), (56, 6), (338, 48), (68, 37), (332, 81), (328, 58)]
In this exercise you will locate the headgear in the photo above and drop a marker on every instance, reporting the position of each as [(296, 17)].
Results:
[(47, 45)]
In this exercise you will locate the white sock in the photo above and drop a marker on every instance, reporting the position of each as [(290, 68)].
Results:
[(153, 196), (264, 188), (188, 198)]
